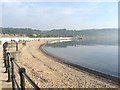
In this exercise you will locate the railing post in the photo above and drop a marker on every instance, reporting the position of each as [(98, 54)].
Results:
[(16, 46), (22, 80), (4, 57), (12, 76), (5, 61), (4, 52), (8, 67)]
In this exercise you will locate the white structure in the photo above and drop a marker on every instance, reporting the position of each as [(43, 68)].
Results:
[(27, 39)]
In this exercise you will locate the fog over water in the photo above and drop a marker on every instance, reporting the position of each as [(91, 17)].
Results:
[(100, 54)]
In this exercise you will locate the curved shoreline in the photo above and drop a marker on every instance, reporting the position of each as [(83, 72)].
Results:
[(97, 74), (49, 73)]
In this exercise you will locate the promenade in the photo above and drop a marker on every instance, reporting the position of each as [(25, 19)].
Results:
[(3, 76)]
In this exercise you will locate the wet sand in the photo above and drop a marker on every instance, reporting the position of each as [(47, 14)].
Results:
[(49, 73)]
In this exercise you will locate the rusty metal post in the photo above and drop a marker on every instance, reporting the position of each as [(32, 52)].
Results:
[(12, 75), (22, 80), (5, 61), (8, 67), (4, 57), (4, 52), (16, 46)]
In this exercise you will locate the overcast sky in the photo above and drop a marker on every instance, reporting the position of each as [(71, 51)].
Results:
[(54, 15)]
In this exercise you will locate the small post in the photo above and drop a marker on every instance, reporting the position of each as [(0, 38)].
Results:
[(8, 67), (16, 46), (12, 76), (6, 61), (22, 80), (5, 57), (5, 45)]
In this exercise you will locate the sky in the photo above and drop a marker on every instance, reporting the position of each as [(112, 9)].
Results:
[(56, 15)]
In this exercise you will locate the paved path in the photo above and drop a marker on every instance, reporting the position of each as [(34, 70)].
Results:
[(3, 76)]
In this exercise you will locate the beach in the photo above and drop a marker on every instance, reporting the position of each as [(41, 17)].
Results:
[(49, 73)]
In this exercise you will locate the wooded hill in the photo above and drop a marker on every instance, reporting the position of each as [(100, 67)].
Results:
[(61, 32)]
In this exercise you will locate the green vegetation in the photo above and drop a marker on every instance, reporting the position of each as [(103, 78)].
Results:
[(60, 32), (20, 31), (39, 36)]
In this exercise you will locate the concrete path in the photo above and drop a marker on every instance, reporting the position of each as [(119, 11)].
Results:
[(3, 76)]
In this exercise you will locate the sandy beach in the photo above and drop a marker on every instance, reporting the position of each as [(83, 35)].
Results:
[(48, 73)]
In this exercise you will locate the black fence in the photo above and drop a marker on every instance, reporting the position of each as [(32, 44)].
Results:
[(9, 64)]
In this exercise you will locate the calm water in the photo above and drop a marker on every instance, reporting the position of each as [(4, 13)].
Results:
[(93, 54)]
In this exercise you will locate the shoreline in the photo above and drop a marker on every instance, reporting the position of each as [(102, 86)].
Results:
[(97, 74), (47, 72)]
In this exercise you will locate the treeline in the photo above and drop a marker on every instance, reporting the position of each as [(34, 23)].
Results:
[(27, 31), (60, 32)]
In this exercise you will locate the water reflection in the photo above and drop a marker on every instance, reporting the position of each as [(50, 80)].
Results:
[(96, 54), (87, 42)]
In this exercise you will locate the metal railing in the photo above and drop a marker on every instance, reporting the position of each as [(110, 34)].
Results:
[(9, 64)]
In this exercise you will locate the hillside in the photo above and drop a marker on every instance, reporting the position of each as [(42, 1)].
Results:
[(63, 32)]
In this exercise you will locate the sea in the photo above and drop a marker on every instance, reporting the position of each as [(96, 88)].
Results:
[(98, 54)]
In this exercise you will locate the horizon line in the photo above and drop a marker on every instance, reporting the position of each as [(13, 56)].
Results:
[(59, 28)]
